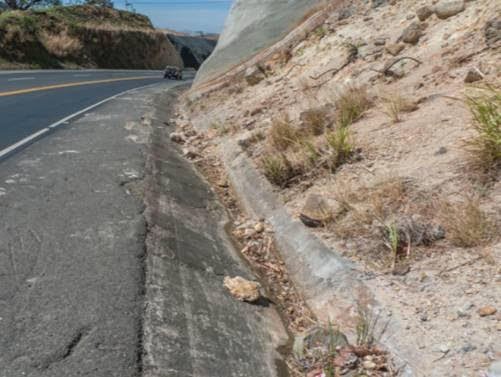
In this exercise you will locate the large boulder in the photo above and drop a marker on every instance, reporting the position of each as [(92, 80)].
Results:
[(251, 26)]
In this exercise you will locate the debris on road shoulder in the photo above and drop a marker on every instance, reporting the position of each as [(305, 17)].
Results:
[(242, 289)]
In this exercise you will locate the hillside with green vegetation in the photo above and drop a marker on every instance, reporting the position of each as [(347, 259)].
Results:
[(82, 36)]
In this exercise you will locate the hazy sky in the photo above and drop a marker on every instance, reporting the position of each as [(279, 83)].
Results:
[(183, 15)]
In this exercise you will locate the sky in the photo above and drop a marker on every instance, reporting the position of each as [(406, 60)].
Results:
[(183, 15)]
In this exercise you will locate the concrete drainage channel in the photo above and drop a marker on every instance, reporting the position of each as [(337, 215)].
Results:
[(284, 255), (192, 326)]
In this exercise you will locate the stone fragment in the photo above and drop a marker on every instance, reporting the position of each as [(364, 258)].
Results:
[(190, 153), (369, 364), (259, 227), (492, 32), (315, 212), (448, 8), (242, 289), (395, 48), (254, 75), (473, 75), (424, 12), (412, 33), (177, 137), (487, 310)]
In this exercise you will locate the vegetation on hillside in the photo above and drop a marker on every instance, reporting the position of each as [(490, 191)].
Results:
[(82, 36)]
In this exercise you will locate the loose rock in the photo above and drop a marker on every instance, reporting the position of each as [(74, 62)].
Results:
[(448, 8), (487, 311), (473, 75), (259, 227), (242, 289), (412, 33), (254, 75), (424, 13), (395, 48), (190, 153), (315, 212), (177, 137), (492, 32)]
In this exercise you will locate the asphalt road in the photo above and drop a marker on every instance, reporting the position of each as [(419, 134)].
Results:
[(113, 255), (33, 100)]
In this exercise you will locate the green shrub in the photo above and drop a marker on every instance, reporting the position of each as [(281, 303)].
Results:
[(340, 146), (486, 146), (351, 105), (283, 134), (277, 169)]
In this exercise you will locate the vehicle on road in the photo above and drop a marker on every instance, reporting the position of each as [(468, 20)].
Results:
[(173, 73)]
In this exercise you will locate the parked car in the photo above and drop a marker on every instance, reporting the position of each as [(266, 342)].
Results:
[(173, 73)]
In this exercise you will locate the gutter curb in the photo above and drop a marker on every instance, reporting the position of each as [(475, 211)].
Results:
[(329, 283)]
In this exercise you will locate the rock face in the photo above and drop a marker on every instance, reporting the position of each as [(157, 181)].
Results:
[(251, 26), (241, 289), (193, 50)]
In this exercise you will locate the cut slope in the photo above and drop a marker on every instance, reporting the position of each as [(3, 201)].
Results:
[(251, 26), (83, 36)]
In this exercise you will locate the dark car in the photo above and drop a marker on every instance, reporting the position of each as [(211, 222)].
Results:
[(173, 73)]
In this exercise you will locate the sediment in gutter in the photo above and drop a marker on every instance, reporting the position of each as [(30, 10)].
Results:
[(321, 283)]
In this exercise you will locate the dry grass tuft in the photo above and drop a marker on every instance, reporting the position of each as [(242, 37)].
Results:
[(341, 147), (466, 224), (315, 121), (351, 104), (283, 134), (61, 45), (223, 129), (368, 206), (394, 105), (485, 148), (277, 169)]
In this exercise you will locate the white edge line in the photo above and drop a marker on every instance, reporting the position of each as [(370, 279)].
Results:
[(38, 134)]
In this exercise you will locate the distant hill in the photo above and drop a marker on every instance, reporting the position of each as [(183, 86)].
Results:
[(82, 36)]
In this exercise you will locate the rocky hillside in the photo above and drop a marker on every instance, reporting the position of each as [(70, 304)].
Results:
[(378, 129), (193, 50), (82, 36)]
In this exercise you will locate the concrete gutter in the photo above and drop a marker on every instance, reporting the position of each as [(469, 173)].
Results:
[(330, 284), (192, 326)]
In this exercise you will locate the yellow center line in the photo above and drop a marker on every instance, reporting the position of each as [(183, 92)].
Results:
[(70, 84)]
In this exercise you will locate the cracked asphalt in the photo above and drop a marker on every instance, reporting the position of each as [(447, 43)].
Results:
[(95, 283)]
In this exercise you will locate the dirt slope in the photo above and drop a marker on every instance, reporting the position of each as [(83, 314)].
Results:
[(370, 128)]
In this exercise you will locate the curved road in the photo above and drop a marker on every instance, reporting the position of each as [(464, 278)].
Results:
[(33, 100)]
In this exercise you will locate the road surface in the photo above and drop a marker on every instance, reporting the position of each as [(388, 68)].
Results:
[(33, 100), (113, 255)]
